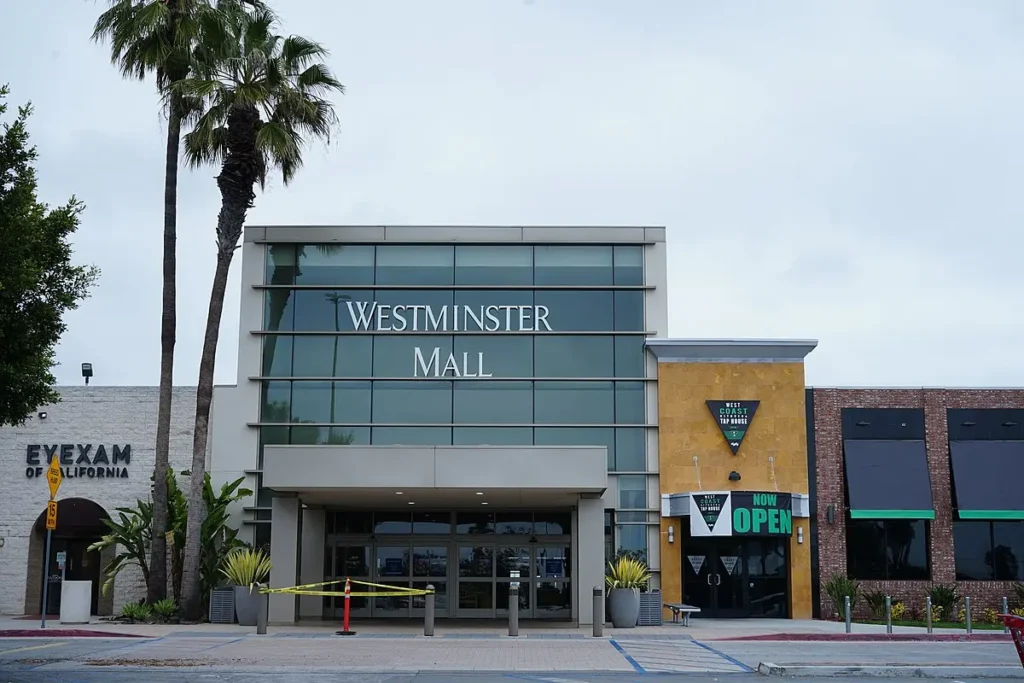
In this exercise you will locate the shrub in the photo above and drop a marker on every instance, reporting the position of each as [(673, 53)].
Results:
[(136, 612), (898, 610), (961, 616), (838, 588), (246, 567), (627, 572), (991, 616), (1017, 611), (165, 609), (946, 598), (876, 603)]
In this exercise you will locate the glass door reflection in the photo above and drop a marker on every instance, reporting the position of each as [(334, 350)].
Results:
[(430, 568), (553, 583), (475, 581), (392, 569), (512, 559)]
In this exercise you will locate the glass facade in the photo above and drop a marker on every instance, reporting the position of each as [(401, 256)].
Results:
[(465, 344)]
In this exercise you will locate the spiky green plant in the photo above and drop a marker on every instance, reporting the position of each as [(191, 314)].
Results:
[(136, 612), (838, 588), (627, 572), (246, 567)]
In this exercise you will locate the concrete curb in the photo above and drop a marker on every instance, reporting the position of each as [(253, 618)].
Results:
[(890, 671)]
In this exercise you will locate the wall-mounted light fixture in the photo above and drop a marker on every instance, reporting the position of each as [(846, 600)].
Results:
[(863, 423), (799, 534), (42, 414), (968, 423), (1009, 423), (734, 476), (830, 514), (87, 372), (671, 534)]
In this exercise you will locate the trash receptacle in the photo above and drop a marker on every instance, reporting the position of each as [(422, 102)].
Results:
[(75, 602), (1016, 626)]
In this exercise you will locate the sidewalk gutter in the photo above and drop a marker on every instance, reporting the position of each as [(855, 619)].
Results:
[(890, 671)]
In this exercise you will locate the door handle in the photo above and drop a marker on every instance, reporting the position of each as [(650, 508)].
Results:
[(709, 578), (718, 579)]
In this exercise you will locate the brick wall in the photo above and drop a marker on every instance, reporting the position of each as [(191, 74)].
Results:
[(828, 439), (86, 415)]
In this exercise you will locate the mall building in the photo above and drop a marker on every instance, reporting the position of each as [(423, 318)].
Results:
[(449, 405)]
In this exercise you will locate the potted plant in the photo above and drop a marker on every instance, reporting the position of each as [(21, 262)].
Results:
[(245, 568), (626, 576)]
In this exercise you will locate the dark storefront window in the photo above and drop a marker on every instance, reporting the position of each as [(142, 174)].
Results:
[(415, 264), (574, 403), (493, 265), (492, 436), (329, 264), (572, 265), (488, 402), (890, 549), (556, 356), (423, 402), (988, 551)]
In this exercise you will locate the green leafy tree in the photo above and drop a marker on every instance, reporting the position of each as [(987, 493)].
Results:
[(38, 282), (265, 95), (158, 38)]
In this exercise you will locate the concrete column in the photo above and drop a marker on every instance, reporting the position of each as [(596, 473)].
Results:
[(313, 540), (284, 554), (589, 569)]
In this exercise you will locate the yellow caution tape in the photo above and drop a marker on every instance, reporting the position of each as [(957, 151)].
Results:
[(337, 594)]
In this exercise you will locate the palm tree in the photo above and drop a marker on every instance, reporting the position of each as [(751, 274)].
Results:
[(265, 95), (157, 37)]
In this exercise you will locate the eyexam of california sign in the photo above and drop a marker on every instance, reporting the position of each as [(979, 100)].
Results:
[(370, 316)]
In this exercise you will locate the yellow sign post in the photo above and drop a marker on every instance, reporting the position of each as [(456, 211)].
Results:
[(51, 515), (54, 477)]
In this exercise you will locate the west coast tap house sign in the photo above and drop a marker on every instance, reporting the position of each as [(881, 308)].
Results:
[(733, 418), (741, 513), (370, 316), (79, 461)]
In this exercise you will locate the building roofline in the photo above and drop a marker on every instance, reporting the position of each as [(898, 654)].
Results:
[(731, 350), (887, 387), (454, 234)]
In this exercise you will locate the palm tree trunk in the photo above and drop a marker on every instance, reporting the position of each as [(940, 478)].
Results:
[(156, 588)]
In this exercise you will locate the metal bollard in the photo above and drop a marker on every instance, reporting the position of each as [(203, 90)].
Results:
[(848, 620), (967, 613), (513, 610), (928, 613), (428, 611), (1006, 610), (888, 614), (261, 614), (598, 612)]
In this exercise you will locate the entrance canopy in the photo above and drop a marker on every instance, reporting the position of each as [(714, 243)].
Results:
[(437, 475)]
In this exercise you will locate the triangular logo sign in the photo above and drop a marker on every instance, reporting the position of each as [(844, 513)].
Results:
[(696, 561), (710, 506), (730, 562), (733, 418)]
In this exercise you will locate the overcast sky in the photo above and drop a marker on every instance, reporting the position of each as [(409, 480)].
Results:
[(845, 171)]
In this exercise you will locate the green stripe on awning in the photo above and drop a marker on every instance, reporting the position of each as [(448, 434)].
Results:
[(892, 514), (992, 514)]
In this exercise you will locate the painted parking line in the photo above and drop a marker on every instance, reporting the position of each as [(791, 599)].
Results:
[(731, 660), (632, 662), (30, 648)]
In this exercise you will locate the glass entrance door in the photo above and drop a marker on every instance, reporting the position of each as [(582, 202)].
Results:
[(736, 577)]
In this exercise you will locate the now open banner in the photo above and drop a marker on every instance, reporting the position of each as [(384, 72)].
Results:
[(741, 513)]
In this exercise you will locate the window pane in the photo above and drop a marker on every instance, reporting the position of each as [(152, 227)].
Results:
[(476, 561), (636, 516), (335, 264), (432, 523), (629, 357), (577, 436), (279, 310), (496, 310), (493, 265), (479, 595), (514, 559), (572, 265), (503, 355), (352, 561), (520, 523), (311, 402), (574, 403), (629, 403), (865, 549), (277, 355), (392, 523), (629, 265), (631, 450), (552, 524), (354, 522), (333, 436), (577, 310), (493, 402), (430, 561), (422, 402), (280, 264), (399, 355), (972, 548), (907, 549), (415, 264), (411, 436), (633, 491), (409, 310), (474, 523), (332, 356), (1007, 550), (629, 311), (318, 310), (631, 538), (350, 402), (277, 399), (492, 436), (573, 356)]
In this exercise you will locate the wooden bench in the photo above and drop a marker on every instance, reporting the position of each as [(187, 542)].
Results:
[(680, 609)]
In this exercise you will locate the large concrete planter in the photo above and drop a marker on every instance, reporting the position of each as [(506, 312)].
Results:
[(247, 605), (624, 605)]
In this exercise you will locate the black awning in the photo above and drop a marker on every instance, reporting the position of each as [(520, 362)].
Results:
[(988, 477), (888, 479)]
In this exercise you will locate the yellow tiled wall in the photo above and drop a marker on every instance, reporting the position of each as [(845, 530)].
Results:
[(686, 428)]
